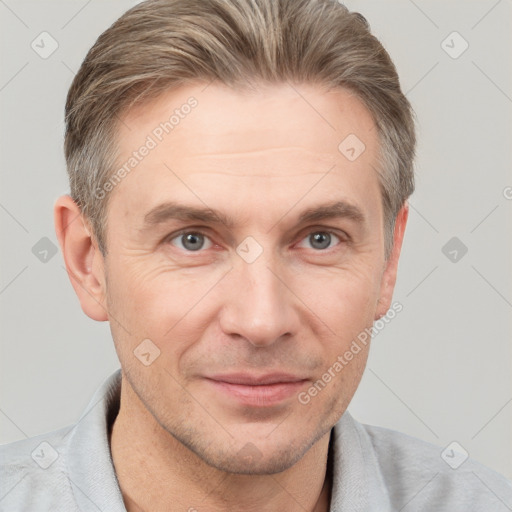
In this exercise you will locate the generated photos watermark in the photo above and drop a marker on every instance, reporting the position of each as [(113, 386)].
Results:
[(344, 359), (156, 136)]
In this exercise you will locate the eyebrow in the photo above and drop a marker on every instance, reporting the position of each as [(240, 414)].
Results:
[(176, 211), (337, 209)]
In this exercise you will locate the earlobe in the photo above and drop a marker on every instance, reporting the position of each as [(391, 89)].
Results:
[(84, 262), (389, 275)]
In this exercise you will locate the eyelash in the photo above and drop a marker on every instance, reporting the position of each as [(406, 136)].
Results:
[(343, 238)]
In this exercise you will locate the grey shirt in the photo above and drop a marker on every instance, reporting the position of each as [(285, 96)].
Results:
[(373, 468)]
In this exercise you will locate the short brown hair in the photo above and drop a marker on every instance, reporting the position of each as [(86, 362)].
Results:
[(161, 44)]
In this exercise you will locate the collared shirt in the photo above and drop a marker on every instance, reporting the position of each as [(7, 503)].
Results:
[(373, 469)]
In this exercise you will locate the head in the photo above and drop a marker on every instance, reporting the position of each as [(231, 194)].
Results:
[(239, 177)]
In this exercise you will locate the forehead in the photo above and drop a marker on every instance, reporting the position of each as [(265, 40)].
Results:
[(228, 120), (209, 141)]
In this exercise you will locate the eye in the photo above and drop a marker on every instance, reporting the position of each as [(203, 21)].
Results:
[(320, 240), (191, 241)]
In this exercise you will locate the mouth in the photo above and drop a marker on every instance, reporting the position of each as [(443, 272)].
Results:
[(257, 390)]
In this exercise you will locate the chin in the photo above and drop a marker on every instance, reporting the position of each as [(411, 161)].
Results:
[(263, 457), (242, 463)]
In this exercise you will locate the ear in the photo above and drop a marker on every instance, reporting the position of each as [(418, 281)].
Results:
[(388, 280), (84, 262)]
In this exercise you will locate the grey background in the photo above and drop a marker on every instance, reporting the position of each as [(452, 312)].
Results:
[(441, 371)]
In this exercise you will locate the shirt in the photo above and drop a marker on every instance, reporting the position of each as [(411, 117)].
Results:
[(373, 469)]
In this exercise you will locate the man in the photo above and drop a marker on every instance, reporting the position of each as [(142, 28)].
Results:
[(239, 177)]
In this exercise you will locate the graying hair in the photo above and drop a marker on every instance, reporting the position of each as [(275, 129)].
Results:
[(161, 44)]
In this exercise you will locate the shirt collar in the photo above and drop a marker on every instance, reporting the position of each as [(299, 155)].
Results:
[(358, 484), (90, 466)]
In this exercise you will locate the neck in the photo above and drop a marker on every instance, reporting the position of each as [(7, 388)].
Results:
[(158, 473)]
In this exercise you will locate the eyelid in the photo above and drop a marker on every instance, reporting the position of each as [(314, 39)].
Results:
[(203, 230), (340, 233), (191, 230), (342, 237)]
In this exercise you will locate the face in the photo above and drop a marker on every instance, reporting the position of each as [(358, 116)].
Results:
[(245, 255)]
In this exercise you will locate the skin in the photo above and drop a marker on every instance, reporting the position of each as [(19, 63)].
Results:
[(261, 158)]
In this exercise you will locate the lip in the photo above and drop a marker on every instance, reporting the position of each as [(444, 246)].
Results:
[(247, 379), (257, 390)]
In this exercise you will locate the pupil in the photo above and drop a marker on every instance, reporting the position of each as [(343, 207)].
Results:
[(193, 242), (320, 240)]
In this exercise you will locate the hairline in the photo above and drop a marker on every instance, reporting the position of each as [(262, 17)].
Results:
[(251, 84)]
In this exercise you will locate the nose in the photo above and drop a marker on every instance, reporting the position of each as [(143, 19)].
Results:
[(259, 305)]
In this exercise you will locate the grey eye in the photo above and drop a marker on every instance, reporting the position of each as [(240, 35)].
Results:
[(191, 241), (319, 240)]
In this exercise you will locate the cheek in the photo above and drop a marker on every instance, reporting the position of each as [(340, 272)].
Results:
[(170, 308), (344, 299), (144, 289), (164, 303)]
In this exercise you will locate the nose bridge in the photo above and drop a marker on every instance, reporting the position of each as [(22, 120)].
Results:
[(259, 307)]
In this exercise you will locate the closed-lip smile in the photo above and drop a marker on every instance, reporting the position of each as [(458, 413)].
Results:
[(262, 390)]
